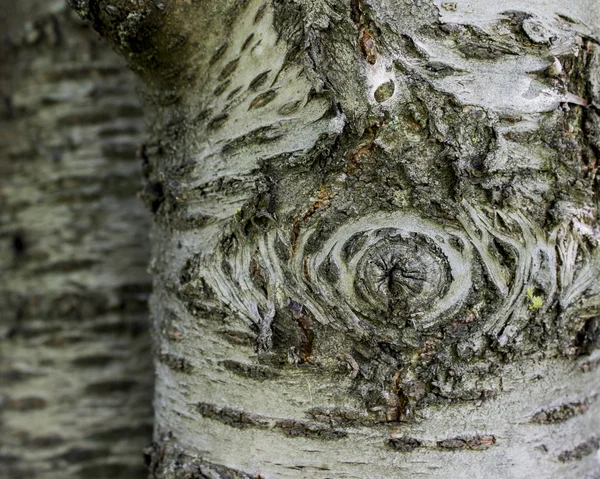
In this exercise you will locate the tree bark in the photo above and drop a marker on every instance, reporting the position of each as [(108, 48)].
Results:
[(375, 241), (75, 364)]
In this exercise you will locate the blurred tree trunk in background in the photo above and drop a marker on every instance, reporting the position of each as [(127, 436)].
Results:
[(75, 364)]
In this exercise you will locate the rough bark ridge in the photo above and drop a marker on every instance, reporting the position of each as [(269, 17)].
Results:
[(75, 368), (376, 241)]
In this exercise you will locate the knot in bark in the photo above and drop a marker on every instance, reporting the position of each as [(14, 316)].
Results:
[(402, 274)]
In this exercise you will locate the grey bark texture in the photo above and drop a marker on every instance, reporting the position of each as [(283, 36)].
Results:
[(76, 377), (375, 241)]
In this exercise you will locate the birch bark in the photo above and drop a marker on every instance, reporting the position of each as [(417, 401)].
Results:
[(375, 241)]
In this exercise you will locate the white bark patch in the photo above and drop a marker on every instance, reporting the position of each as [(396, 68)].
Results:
[(505, 86), (552, 18), (261, 106)]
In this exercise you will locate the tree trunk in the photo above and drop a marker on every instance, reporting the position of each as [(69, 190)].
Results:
[(75, 367), (375, 241)]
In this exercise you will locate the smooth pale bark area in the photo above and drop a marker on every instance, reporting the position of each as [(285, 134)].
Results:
[(375, 246), (76, 376)]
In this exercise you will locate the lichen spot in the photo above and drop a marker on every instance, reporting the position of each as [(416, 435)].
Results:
[(384, 91)]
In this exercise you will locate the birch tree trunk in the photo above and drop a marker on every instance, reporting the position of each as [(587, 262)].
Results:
[(75, 368), (375, 241)]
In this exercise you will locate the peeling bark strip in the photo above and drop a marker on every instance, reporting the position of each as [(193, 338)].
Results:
[(405, 444), (75, 367), (291, 428), (159, 458), (253, 371), (560, 413), (586, 448), (176, 363), (475, 443), (389, 209)]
